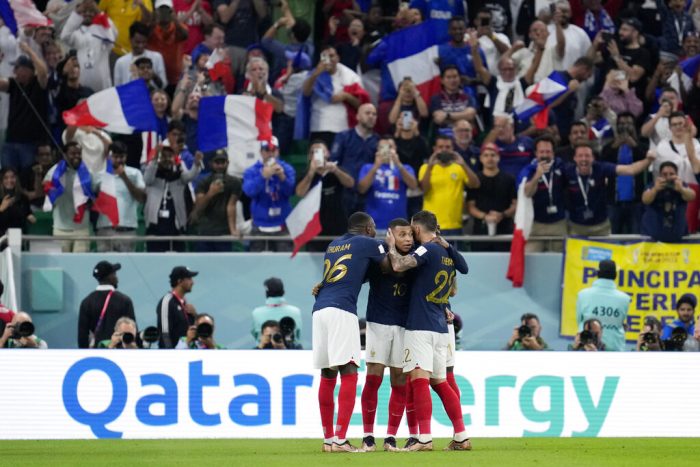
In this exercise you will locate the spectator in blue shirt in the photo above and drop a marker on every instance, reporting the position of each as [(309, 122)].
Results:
[(458, 52), (452, 103), (685, 307), (463, 139), (676, 23), (385, 183), (516, 151), (298, 31), (354, 148), (439, 9), (665, 204), (586, 189), (269, 183)]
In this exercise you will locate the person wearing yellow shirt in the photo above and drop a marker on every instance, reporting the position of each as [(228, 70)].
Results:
[(443, 180), (123, 13)]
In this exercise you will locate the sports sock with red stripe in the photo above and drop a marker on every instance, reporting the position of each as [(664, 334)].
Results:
[(423, 404), (346, 403), (397, 403), (369, 402), (452, 406), (327, 405), (411, 420)]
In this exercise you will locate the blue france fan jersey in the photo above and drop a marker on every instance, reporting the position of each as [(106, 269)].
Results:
[(344, 269), (430, 290), (388, 297)]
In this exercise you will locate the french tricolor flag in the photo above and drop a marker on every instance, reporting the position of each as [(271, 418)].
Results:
[(690, 66), (410, 52), (106, 201), (539, 97), (219, 66), (82, 190), (304, 222), (16, 14), (122, 109), (524, 217), (224, 120)]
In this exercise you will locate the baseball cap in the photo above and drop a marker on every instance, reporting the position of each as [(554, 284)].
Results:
[(633, 22), (490, 147), (104, 269), (271, 144), (220, 155), (687, 298), (181, 272), (274, 287), (607, 269), (160, 3), (24, 61)]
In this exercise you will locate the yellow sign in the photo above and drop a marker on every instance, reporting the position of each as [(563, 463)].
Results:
[(655, 275)]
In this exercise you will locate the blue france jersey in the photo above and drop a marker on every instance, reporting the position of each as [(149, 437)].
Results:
[(430, 290), (344, 269), (388, 297)]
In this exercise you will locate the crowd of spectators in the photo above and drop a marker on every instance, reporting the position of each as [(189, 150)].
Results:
[(616, 153)]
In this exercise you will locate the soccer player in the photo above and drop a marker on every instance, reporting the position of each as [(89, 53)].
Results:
[(336, 333), (387, 309), (426, 338)]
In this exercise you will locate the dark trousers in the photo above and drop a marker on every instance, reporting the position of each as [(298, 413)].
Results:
[(164, 227)]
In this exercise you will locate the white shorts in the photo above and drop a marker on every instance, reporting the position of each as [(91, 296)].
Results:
[(335, 338), (451, 346), (426, 350), (384, 345)]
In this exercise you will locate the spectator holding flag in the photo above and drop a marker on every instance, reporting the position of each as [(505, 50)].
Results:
[(92, 34), (130, 191), (68, 187)]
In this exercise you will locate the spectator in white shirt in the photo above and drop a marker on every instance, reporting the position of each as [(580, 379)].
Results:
[(576, 41), (93, 44), (124, 71)]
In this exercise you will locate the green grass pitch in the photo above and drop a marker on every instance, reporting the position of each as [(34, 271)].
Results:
[(511, 452)]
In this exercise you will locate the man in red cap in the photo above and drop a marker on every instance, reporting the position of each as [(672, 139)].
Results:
[(269, 183)]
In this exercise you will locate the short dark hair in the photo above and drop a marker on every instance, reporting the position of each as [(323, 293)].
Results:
[(442, 137), (358, 220), (668, 164), (545, 139), (529, 316), (584, 144), (209, 28), (69, 145), (176, 125), (578, 123), (588, 322), (270, 323), (454, 19), (585, 62), (447, 68), (399, 222), (301, 29), (676, 114), (318, 141), (204, 315), (668, 89), (137, 27), (425, 219), (118, 147), (327, 47), (626, 114)]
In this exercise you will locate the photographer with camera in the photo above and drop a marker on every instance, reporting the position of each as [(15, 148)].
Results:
[(675, 334), (649, 338), (276, 309), (527, 335), (123, 337), (665, 201), (270, 336), (604, 302), (20, 334), (590, 338), (200, 335)]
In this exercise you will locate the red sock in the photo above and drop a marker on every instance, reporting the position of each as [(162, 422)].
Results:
[(453, 383), (410, 409), (346, 403), (423, 403), (397, 403), (327, 405), (369, 401), (452, 406)]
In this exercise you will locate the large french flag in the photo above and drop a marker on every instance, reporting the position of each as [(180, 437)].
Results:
[(122, 109), (82, 190), (17, 14), (539, 97), (410, 52), (304, 222), (106, 200), (524, 217), (224, 120)]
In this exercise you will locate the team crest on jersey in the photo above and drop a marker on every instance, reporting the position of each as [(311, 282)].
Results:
[(453, 176), (372, 353)]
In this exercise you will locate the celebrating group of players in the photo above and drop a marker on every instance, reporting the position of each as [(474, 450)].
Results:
[(411, 276)]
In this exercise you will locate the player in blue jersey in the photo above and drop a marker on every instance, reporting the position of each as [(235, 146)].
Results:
[(336, 332), (387, 309), (426, 339)]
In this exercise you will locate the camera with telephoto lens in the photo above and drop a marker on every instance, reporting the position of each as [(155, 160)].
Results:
[(149, 336), (128, 338), (23, 329), (650, 338), (524, 331), (204, 330), (677, 340), (587, 337)]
